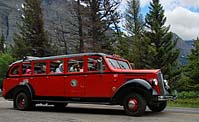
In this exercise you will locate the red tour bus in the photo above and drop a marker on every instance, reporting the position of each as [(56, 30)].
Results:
[(95, 78)]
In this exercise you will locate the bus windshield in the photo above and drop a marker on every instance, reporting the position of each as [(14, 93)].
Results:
[(118, 64)]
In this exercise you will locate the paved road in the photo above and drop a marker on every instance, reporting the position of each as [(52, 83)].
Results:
[(92, 113)]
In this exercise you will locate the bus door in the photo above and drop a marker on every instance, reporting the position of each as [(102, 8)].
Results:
[(75, 78), (96, 83), (39, 78), (56, 78)]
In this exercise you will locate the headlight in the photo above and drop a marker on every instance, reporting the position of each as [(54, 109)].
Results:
[(155, 82), (166, 84)]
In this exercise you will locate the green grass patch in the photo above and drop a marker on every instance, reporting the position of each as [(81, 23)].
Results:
[(186, 102)]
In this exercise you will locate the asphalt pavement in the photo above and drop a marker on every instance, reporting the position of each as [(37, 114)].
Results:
[(92, 113)]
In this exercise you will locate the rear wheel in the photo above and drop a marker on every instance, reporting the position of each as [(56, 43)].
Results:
[(134, 104), (22, 101), (157, 106)]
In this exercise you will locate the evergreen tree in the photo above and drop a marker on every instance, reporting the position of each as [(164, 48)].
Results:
[(121, 44), (2, 43), (192, 70), (162, 52), (5, 60), (134, 26), (101, 15), (32, 39)]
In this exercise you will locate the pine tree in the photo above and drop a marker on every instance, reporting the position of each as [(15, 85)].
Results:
[(192, 70), (121, 44), (135, 27), (101, 15), (2, 43), (162, 52), (32, 38)]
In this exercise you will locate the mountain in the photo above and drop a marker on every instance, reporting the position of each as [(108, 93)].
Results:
[(10, 14), (8, 17), (185, 47), (56, 14)]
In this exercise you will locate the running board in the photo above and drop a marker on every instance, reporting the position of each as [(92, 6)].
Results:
[(54, 101)]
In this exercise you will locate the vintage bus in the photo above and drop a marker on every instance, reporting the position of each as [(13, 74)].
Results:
[(95, 78)]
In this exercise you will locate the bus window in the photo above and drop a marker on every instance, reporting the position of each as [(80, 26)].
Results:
[(26, 68), (57, 66), (93, 64), (15, 70), (75, 65), (40, 68)]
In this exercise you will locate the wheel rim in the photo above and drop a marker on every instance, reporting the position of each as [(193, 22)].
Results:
[(132, 104), (21, 102)]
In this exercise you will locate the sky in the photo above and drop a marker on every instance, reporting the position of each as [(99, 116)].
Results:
[(182, 16)]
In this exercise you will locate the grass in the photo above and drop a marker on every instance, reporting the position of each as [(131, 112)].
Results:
[(187, 102)]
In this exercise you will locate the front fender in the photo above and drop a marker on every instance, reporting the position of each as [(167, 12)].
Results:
[(140, 86)]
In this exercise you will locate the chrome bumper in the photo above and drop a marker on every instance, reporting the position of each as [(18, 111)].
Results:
[(166, 98)]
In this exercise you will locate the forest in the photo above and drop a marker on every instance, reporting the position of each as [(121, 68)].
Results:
[(95, 26)]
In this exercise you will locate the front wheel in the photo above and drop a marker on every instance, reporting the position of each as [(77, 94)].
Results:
[(134, 104), (22, 101), (157, 106)]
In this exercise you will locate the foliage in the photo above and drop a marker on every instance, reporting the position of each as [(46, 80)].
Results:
[(5, 60), (186, 99), (133, 19), (188, 94), (102, 17), (191, 71), (188, 103), (121, 46), (161, 52), (135, 28), (32, 37), (2, 42)]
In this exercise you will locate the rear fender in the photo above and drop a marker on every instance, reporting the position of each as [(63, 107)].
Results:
[(26, 87)]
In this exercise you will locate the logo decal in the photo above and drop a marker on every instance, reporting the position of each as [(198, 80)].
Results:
[(74, 83)]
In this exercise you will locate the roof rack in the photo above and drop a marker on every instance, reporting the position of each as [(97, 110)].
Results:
[(27, 58)]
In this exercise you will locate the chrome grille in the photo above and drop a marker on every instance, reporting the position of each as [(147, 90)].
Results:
[(161, 84)]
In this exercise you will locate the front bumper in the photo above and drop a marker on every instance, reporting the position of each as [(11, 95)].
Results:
[(167, 98)]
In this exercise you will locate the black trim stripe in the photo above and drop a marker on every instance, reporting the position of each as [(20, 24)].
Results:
[(73, 74)]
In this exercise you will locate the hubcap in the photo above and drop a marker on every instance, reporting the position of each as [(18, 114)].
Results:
[(133, 104), (21, 102)]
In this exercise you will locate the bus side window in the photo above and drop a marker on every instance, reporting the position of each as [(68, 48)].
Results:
[(40, 68), (57, 66), (26, 68), (15, 70), (75, 65), (93, 64)]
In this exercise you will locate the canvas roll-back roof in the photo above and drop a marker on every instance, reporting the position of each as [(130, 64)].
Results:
[(31, 58)]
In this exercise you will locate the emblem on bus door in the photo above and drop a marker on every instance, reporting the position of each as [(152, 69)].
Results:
[(73, 83)]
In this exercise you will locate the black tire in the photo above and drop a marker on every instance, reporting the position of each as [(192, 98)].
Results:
[(134, 105), (157, 106), (22, 101), (60, 105)]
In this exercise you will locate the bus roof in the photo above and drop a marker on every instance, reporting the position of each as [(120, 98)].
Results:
[(31, 58)]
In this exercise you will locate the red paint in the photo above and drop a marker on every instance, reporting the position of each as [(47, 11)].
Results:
[(77, 84)]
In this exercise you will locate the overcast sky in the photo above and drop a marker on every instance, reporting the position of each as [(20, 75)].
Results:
[(182, 15)]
